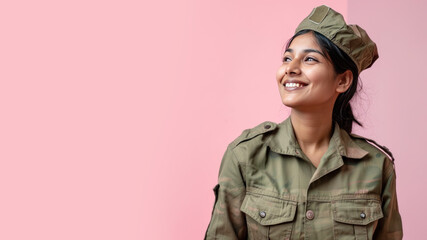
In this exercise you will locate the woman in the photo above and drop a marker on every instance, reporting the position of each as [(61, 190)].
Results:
[(309, 177)]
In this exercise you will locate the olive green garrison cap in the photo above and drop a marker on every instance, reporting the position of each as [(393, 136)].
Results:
[(352, 39)]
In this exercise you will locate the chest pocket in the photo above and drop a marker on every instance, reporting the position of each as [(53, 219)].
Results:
[(268, 217), (355, 219)]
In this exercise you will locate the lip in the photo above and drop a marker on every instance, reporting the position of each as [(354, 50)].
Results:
[(294, 81)]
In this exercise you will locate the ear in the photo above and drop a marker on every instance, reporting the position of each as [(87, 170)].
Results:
[(344, 81)]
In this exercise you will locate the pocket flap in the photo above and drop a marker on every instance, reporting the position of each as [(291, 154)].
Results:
[(268, 210), (358, 212)]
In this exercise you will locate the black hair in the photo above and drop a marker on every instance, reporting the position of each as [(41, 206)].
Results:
[(342, 113)]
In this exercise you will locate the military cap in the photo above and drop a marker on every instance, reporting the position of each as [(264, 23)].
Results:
[(352, 39)]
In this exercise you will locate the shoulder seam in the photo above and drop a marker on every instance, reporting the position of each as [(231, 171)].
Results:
[(382, 148), (253, 132)]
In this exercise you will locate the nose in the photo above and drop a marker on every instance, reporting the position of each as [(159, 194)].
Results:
[(293, 67)]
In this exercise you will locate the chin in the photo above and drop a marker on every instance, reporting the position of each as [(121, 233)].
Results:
[(290, 104), (288, 99)]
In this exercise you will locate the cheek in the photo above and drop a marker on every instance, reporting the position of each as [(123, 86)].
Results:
[(280, 74), (324, 78)]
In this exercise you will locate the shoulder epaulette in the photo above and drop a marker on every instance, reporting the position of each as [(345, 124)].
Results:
[(253, 132), (381, 147)]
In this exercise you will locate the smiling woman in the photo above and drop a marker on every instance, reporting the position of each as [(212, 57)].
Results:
[(307, 78), (309, 84), (309, 176), (343, 68)]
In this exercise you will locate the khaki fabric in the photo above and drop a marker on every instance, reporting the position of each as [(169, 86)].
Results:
[(352, 39), (268, 189)]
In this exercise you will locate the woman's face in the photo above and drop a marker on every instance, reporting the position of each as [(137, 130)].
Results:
[(306, 78)]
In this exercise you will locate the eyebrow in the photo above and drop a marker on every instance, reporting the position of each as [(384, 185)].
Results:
[(309, 50)]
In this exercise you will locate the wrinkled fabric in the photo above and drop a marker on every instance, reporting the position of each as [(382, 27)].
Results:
[(268, 189), (352, 39)]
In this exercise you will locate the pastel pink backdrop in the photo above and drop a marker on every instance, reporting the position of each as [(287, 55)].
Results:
[(115, 114), (395, 98)]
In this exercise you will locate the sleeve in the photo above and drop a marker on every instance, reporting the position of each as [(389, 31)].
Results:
[(390, 226), (227, 221)]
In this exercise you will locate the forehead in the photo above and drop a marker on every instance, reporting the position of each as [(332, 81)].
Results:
[(304, 41)]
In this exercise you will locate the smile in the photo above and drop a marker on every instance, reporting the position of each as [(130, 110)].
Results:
[(294, 85)]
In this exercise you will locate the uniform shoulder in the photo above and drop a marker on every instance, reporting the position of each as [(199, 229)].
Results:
[(374, 146), (250, 133)]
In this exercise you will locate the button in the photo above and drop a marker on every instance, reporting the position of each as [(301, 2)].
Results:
[(262, 214), (362, 215), (309, 215), (267, 126)]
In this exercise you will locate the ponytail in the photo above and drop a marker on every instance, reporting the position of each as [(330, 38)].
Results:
[(343, 113)]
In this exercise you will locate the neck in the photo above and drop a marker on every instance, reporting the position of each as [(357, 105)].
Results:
[(313, 129)]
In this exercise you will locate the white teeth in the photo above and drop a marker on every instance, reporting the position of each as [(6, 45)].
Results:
[(293, 85)]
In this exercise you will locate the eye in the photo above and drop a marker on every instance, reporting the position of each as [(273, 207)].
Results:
[(286, 59), (311, 59)]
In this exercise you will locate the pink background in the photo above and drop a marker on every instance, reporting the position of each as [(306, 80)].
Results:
[(115, 114)]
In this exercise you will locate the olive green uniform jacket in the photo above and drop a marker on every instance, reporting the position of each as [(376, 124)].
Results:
[(268, 189)]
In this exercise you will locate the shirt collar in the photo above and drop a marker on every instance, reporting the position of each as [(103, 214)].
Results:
[(284, 142)]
